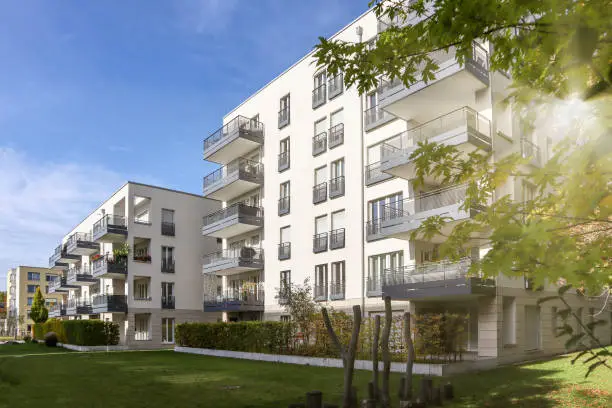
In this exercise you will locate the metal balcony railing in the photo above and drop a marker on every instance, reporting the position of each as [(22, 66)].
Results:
[(80, 270), (79, 237), (240, 167), (424, 202), (244, 211), (283, 161), (284, 117), (110, 303), (319, 242), (167, 265), (109, 264), (319, 193), (375, 115), (320, 292), (336, 238), (245, 255), (531, 150), (238, 123), (167, 302), (426, 272), (336, 290), (108, 220), (373, 286), (284, 205), (336, 135), (335, 86), (373, 174), (336, 187), (284, 251), (319, 144), (319, 96), (168, 229), (245, 296), (404, 142)]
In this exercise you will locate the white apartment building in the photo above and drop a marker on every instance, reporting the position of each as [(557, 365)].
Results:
[(316, 183), (136, 260)]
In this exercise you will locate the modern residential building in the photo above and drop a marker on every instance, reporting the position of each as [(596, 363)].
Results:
[(317, 183), (21, 284), (136, 260)]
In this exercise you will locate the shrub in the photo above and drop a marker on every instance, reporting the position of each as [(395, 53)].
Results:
[(56, 326), (27, 338), (39, 332), (90, 332), (51, 339)]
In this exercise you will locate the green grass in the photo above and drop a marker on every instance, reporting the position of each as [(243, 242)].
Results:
[(164, 379), (30, 348)]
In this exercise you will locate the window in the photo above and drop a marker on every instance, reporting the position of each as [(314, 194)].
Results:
[(168, 330), (371, 100), (509, 320), (319, 79), (167, 295), (167, 259), (337, 168), (167, 225), (284, 113), (51, 278), (285, 189), (285, 102), (32, 288), (529, 192), (30, 300), (33, 276), (285, 234), (337, 280), (321, 224), (320, 175), (283, 156), (532, 328), (320, 126), (336, 118), (285, 280), (141, 290), (46, 289), (337, 220), (320, 292), (285, 318), (377, 265), (376, 208), (141, 327)]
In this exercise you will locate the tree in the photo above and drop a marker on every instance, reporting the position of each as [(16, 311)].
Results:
[(558, 54), (39, 312), (299, 303)]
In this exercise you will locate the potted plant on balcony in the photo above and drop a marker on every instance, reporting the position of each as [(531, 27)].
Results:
[(120, 254), (96, 257)]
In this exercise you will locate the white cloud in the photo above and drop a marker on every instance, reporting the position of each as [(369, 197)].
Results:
[(205, 16), (40, 202)]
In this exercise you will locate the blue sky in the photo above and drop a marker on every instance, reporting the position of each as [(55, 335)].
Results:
[(103, 92)]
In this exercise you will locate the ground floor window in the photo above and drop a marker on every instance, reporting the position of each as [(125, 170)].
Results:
[(141, 329), (167, 330)]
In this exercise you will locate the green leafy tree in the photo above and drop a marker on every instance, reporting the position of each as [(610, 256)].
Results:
[(558, 54), (39, 312), (299, 303)]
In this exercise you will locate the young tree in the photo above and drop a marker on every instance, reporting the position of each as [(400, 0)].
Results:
[(299, 303), (39, 312), (558, 55)]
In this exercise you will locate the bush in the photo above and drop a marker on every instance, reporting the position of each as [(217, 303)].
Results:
[(56, 326), (51, 339), (90, 332), (39, 332), (27, 338)]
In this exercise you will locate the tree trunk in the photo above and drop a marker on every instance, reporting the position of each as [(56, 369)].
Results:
[(375, 389), (385, 398), (406, 392)]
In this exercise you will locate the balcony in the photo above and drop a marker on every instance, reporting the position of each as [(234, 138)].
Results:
[(531, 151), (235, 301), (320, 293), (319, 144), (82, 244), (234, 179), (81, 276), (168, 302), (319, 96), (337, 291), (58, 286), (319, 243), (374, 175), (236, 138), (284, 117), (109, 304), (464, 128), (232, 261), (453, 86), (284, 161), (403, 217), (374, 230), (168, 229), (336, 238), (336, 135), (234, 220), (335, 86), (284, 251), (110, 228), (336, 187), (319, 193), (79, 307), (433, 280), (56, 311), (109, 267), (61, 259), (375, 117), (284, 205)]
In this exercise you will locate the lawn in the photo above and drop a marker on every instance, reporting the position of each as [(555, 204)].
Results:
[(164, 378)]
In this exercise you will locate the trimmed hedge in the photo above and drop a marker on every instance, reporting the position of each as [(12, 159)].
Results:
[(80, 332)]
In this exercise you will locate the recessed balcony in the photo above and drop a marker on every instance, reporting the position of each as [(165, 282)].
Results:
[(231, 300), (236, 138), (109, 267), (464, 128), (234, 179), (232, 261), (81, 276), (433, 280), (82, 244), (234, 220), (453, 86), (109, 304), (110, 228)]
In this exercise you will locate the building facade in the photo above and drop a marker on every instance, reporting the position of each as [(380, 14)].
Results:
[(136, 260), (332, 170), (21, 284)]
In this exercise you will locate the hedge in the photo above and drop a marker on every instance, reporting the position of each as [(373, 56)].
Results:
[(80, 332)]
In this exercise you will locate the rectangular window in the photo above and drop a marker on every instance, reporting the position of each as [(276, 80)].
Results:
[(30, 300), (285, 189), (33, 276), (371, 100), (285, 102), (46, 289), (284, 145), (285, 318), (509, 320), (320, 126), (141, 290), (168, 216), (337, 220), (141, 327), (167, 295), (168, 330), (337, 275), (336, 118), (51, 278), (321, 224), (394, 204), (167, 225), (283, 155), (285, 279), (32, 288), (377, 264), (320, 175), (167, 259), (533, 339), (337, 168), (319, 79), (285, 234), (320, 292)]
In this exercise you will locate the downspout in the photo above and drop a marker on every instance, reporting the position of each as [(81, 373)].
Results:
[(359, 31)]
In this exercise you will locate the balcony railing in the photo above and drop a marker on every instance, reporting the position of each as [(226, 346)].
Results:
[(81, 272), (246, 255), (284, 117), (336, 291), (81, 243), (427, 272), (109, 224), (373, 228), (319, 96), (284, 251), (283, 161), (374, 175), (168, 229), (167, 265), (109, 303), (335, 86), (240, 168), (284, 205), (373, 286), (375, 116), (336, 135), (336, 187), (430, 200), (319, 193), (405, 142), (336, 240), (245, 213), (531, 150), (238, 124), (319, 144), (167, 302), (319, 243), (320, 292), (235, 299), (108, 264)]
